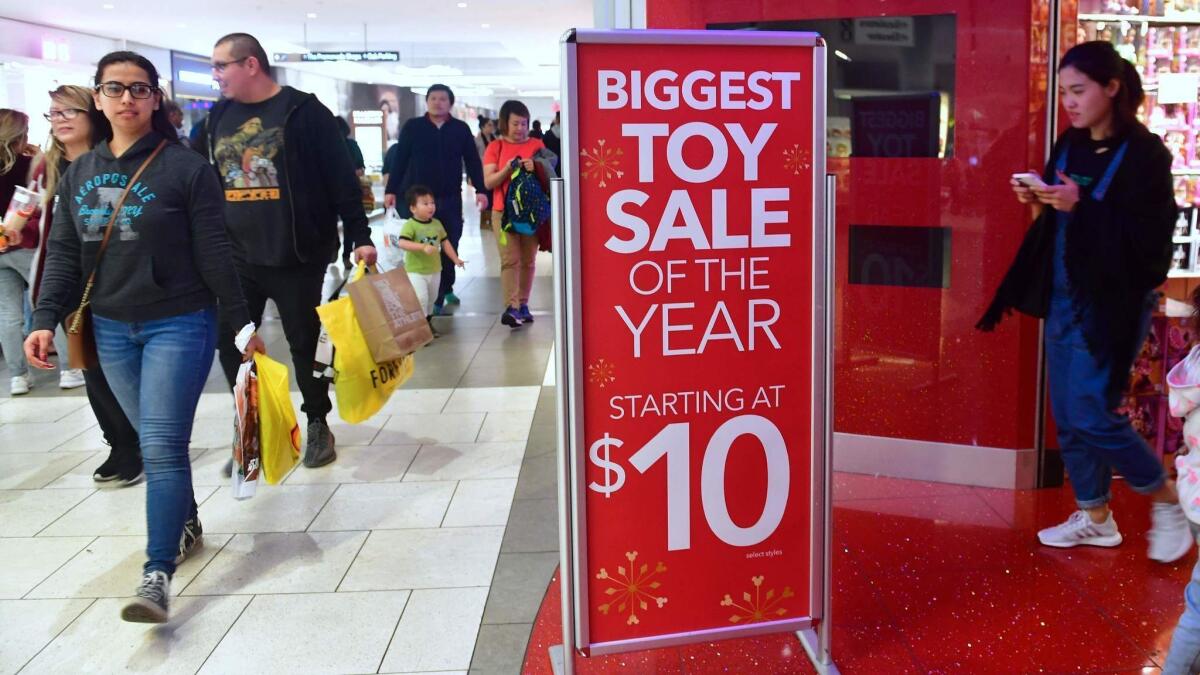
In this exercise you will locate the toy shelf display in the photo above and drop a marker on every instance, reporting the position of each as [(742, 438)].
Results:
[(1162, 38)]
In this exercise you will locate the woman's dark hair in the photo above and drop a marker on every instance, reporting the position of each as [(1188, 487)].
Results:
[(509, 109), (343, 125), (159, 120), (1100, 61)]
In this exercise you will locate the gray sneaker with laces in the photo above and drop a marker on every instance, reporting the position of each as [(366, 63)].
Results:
[(1079, 530), (319, 449), (150, 603)]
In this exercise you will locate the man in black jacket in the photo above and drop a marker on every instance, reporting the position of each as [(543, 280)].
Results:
[(288, 177), (431, 151)]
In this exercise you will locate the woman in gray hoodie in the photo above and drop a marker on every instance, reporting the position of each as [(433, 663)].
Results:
[(157, 290)]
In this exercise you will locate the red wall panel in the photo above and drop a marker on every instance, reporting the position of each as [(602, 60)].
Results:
[(909, 363)]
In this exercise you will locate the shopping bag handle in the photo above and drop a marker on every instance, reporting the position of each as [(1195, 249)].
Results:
[(360, 269)]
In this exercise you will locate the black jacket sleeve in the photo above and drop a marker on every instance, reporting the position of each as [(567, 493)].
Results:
[(470, 155), (211, 251), (404, 146), (61, 278), (337, 174)]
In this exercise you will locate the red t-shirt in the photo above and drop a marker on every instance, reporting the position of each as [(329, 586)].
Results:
[(500, 153)]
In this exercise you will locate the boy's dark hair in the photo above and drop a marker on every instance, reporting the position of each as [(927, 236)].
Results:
[(440, 87), (245, 45), (416, 192), (509, 109)]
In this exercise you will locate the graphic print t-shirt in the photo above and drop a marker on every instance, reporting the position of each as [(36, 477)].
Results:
[(249, 154), (431, 233)]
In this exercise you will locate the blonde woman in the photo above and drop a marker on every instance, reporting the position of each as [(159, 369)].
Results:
[(17, 162)]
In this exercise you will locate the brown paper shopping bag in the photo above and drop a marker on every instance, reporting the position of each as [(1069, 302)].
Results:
[(389, 314)]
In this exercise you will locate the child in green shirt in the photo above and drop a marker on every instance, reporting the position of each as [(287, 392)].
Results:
[(423, 239)]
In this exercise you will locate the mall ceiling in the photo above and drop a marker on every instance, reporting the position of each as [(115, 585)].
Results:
[(487, 46)]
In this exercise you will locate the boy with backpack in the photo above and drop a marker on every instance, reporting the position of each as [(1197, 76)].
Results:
[(423, 239)]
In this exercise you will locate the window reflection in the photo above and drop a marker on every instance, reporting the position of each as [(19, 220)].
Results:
[(891, 83)]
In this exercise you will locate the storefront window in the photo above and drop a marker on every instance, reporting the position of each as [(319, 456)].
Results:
[(891, 83)]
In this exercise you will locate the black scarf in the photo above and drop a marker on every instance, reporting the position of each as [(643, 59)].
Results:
[(1117, 251)]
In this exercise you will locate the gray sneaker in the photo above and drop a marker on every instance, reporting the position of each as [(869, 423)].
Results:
[(150, 603), (319, 450)]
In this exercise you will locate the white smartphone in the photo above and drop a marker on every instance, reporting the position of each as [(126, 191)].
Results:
[(1029, 179)]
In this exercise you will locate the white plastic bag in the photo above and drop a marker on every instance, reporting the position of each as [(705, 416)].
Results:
[(391, 255), (247, 450)]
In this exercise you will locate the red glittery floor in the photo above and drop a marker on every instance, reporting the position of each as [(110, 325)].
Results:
[(937, 578)]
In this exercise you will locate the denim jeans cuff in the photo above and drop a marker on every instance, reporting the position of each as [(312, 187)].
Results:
[(1152, 487), (1093, 503), (168, 569)]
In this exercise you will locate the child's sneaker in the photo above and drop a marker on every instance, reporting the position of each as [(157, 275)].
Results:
[(1079, 530), (452, 299), (525, 314), (150, 603), (1170, 535), (510, 318)]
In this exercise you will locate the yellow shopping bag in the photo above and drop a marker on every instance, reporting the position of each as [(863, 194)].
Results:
[(278, 432), (362, 385)]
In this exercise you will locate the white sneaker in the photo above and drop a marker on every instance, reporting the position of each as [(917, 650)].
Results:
[(1079, 530), (1170, 536), (70, 379), (20, 385)]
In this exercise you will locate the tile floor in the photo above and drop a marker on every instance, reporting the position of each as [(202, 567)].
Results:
[(388, 560), (430, 544)]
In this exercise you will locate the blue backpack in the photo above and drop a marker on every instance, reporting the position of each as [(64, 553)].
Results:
[(526, 205)]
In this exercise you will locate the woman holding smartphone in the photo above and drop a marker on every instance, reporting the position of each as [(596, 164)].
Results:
[(1090, 265), (157, 288)]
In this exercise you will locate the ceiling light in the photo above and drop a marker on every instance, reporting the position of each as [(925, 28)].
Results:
[(841, 55), (107, 6), (312, 15), (462, 5), (485, 25)]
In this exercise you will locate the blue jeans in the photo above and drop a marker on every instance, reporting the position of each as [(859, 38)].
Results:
[(1093, 437), (1184, 655), (157, 371)]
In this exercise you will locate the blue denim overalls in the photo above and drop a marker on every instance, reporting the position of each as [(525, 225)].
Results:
[(1094, 439)]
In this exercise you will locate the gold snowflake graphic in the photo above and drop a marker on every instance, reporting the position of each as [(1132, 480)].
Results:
[(601, 162), (796, 160), (602, 373), (758, 607), (631, 590)]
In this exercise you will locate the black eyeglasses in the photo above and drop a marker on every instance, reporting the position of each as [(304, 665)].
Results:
[(220, 66), (139, 90), (64, 114)]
